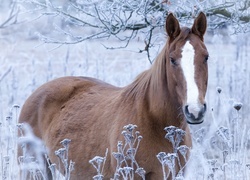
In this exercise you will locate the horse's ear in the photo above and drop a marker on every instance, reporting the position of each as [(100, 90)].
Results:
[(200, 25), (172, 27)]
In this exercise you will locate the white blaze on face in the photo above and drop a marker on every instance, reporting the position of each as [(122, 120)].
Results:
[(188, 68)]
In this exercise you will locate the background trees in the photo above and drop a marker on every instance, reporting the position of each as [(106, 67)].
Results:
[(74, 21), (31, 31)]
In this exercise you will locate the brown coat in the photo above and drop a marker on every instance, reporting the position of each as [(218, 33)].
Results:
[(92, 113)]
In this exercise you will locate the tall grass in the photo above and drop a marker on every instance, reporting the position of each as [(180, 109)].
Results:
[(8, 145), (219, 152), (220, 145)]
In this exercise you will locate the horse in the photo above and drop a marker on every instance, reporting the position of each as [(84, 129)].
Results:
[(92, 113)]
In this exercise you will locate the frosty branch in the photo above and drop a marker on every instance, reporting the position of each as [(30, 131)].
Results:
[(126, 19), (11, 18)]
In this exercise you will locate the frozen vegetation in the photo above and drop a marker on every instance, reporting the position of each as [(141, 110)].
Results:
[(221, 144)]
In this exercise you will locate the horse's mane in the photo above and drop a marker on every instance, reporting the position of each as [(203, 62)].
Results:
[(139, 88), (154, 79)]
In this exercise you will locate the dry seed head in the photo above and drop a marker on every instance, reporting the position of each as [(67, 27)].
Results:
[(160, 156), (141, 172), (183, 149), (97, 159), (20, 125), (16, 106), (130, 127), (219, 90), (65, 143), (140, 137), (237, 106), (126, 169)]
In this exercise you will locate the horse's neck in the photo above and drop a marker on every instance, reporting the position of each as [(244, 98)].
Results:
[(151, 91)]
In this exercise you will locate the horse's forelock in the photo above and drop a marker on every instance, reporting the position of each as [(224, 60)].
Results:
[(183, 36), (185, 31)]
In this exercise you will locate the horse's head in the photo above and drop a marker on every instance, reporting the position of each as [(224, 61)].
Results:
[(187, 71)]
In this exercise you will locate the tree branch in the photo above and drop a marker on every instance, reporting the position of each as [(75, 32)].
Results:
[(114, 18), (12, 17)]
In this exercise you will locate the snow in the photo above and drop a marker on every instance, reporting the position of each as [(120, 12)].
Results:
[(26, 63)]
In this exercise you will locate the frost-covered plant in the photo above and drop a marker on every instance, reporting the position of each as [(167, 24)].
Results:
[(63, 157), (8, 144), (222, 148), (52, 167), (127, 165), (30, 154), (169, 160), (225, 158), (232, 143), (98, 163)]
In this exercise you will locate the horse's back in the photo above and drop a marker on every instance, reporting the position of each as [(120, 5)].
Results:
[(51, 97), (71, 107)]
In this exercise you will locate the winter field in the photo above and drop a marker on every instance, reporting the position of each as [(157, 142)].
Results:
[(221, 144)]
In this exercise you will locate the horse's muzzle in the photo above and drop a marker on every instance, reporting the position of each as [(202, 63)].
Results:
[(195, 116)]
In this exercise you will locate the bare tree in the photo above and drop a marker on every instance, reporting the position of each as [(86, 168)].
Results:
[(128, 19)]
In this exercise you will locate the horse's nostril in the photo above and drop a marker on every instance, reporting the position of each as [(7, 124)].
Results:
[(204, 108), (188, 113), (186, 110)]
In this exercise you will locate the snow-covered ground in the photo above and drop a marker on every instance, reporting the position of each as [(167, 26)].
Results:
[(26, 63)]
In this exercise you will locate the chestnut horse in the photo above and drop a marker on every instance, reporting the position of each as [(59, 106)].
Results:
[(92, 113)]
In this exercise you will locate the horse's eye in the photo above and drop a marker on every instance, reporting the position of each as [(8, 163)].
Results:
[(173, 61), (206, 58)]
